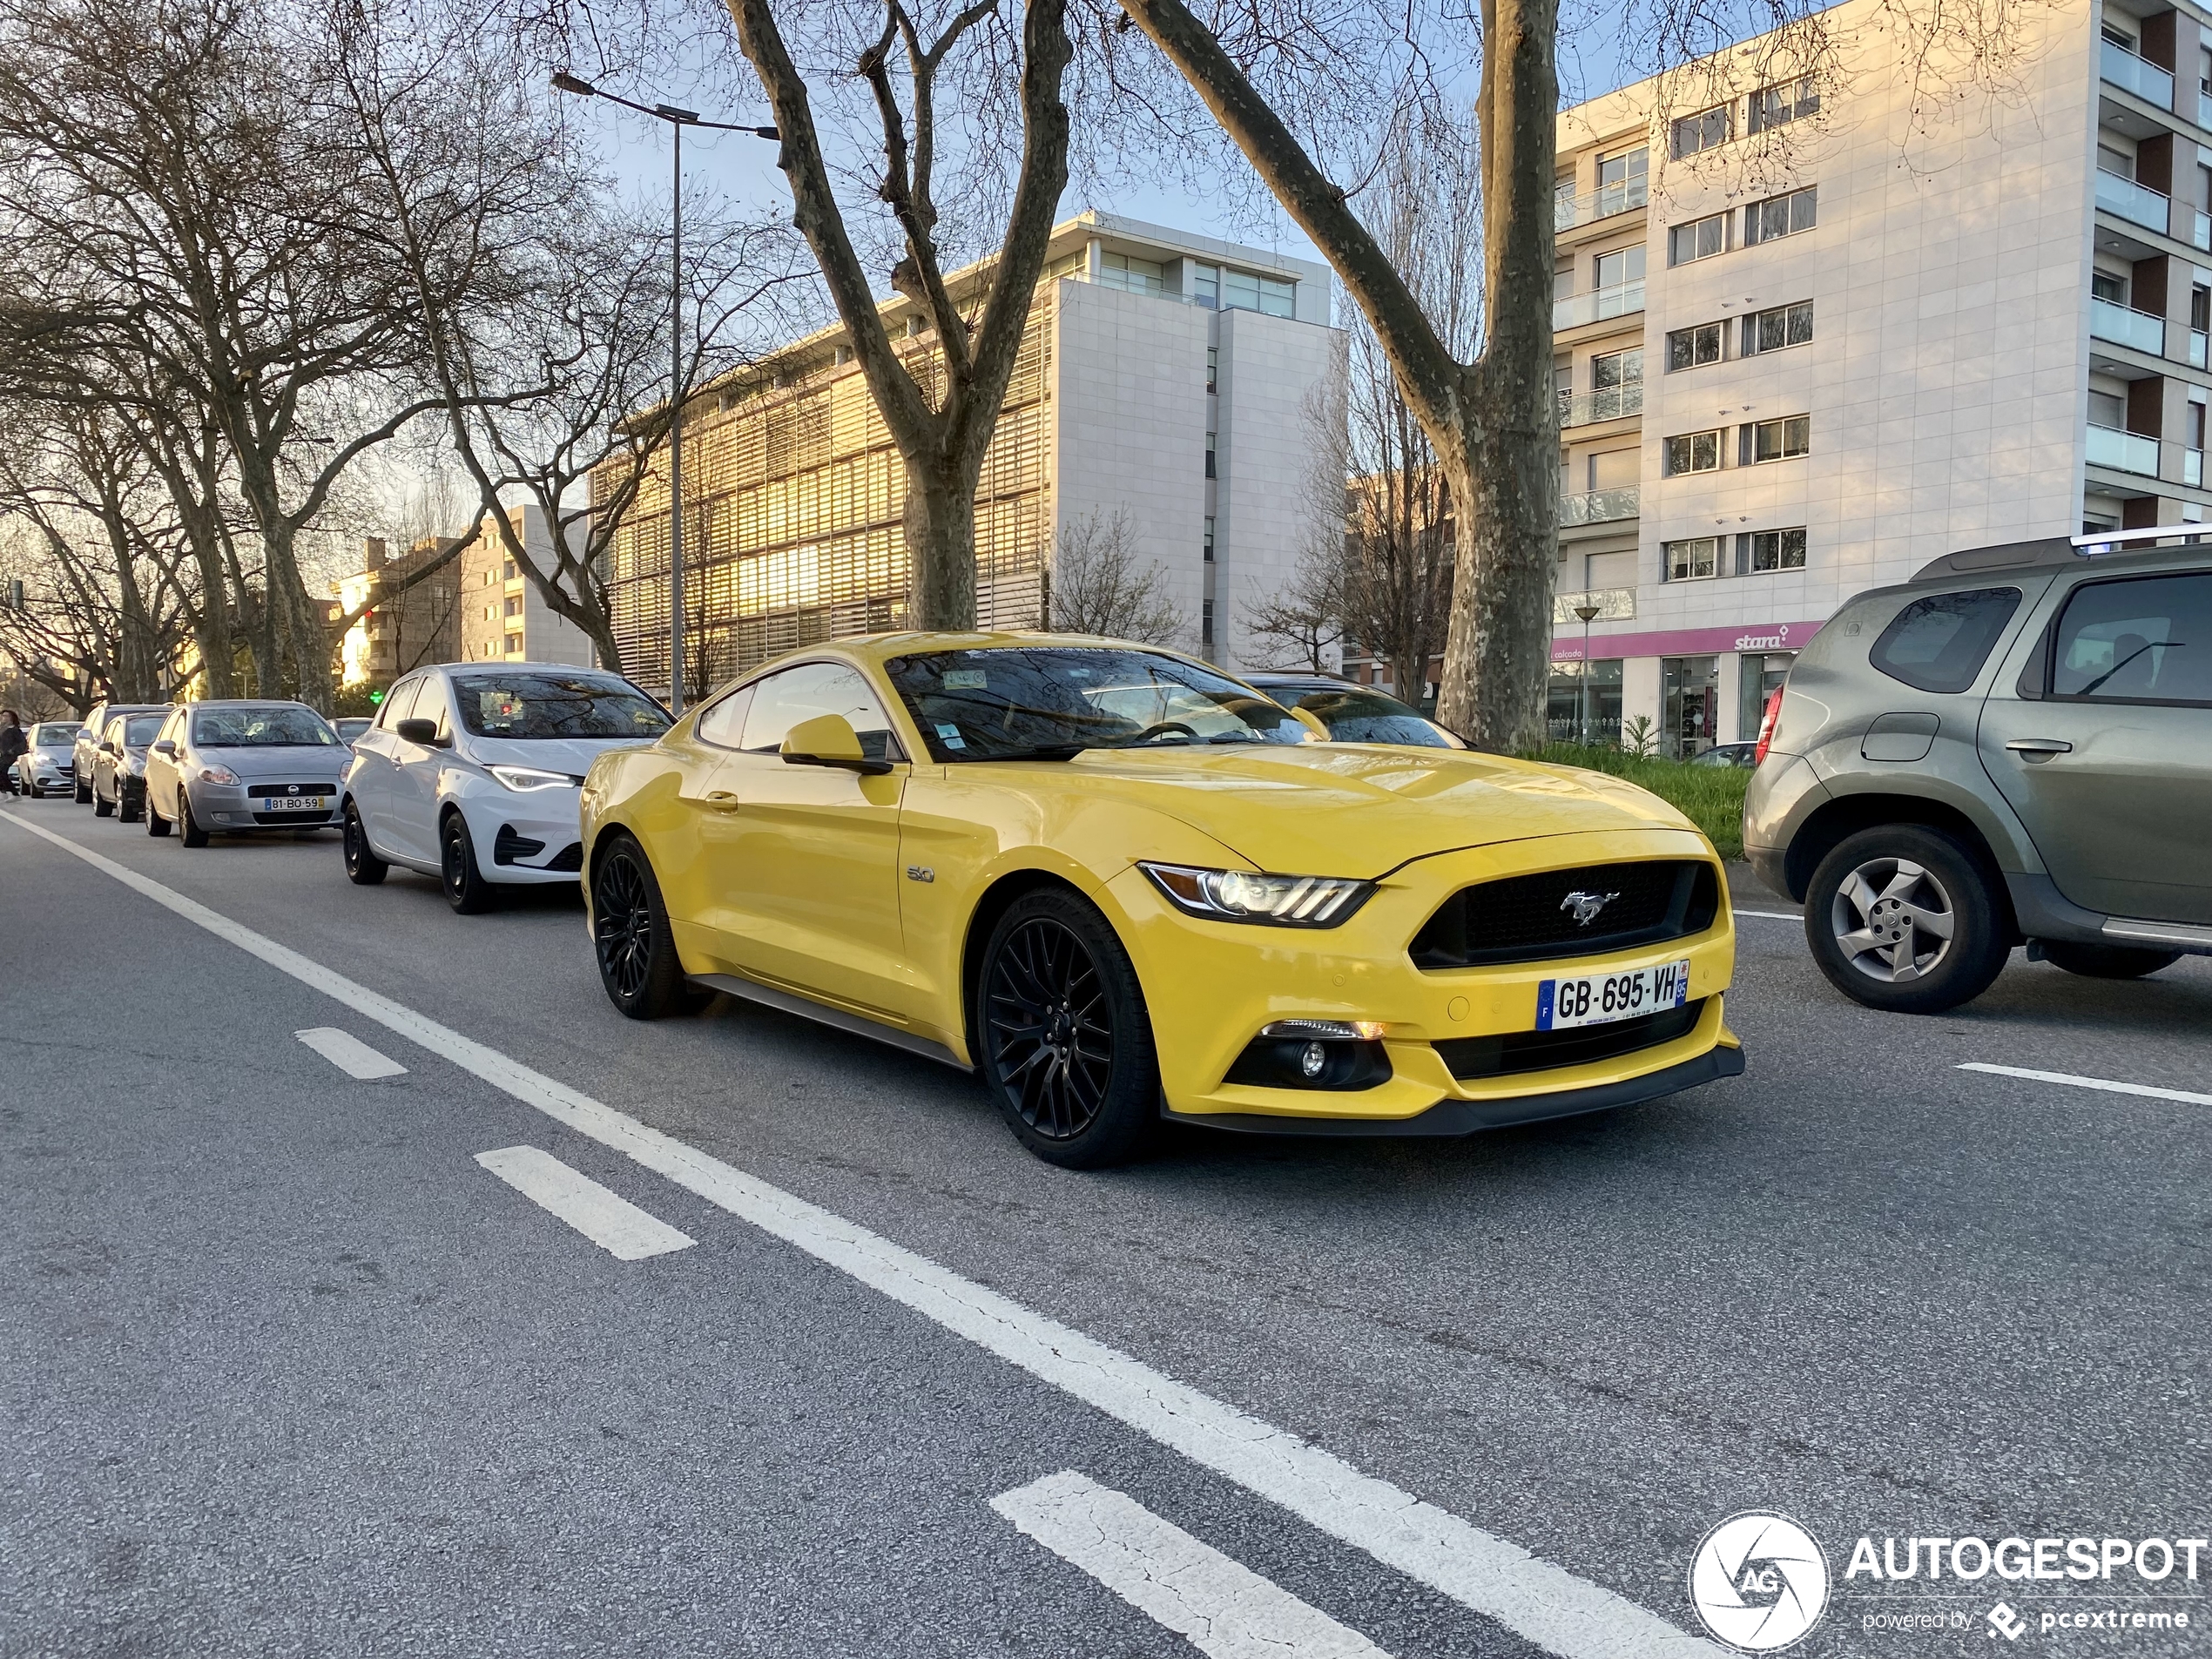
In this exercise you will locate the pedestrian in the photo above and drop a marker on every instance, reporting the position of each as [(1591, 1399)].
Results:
[(13, 746)]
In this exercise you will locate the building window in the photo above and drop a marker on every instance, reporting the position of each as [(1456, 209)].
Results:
[(514, 644), (1693, 347), (2118, 163), (1777, 439), (1694, 452), (1769, 550), (1616, 369), (514, 605), (1205, 622), (2108, 286), (1780, 216), (1246, 291), (1130, 274), (1695, 559), (1699, 239), (1617, 171), (1705, 130), (510, 570), (1209, 541), (1210, 472), (1205, 285), (1779, 328), (1213, 366), (1775, 106), (1620, 267), (2118, 37)]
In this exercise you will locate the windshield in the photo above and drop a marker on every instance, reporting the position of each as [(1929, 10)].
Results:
[(1009, 701), (53, 736), (278, 725), (1360, 714), (141, 729), (556, 705), (352, 726)]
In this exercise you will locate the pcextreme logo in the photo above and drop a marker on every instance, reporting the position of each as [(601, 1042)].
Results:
[(1759, 1582)]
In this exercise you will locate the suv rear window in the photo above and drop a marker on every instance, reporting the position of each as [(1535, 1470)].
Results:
[(1939, 643)]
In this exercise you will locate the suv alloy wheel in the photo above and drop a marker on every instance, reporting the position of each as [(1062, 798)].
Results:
[(1901, 917)]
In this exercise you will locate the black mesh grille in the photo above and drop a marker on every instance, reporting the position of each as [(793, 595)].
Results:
[(1528, 918), (510, 846), (1516, 1051), (568, 857), (263, 792)]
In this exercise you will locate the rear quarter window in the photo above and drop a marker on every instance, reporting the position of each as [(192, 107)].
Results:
[(1938, 644)]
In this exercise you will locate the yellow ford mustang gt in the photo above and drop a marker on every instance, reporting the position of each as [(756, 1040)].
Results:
[(1124, 886)]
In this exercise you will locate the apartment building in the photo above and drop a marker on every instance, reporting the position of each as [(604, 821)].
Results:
[(402, 628), (504, 617), (1811, 332), (1166, 382)]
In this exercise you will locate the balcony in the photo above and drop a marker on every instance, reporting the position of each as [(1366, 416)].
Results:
[(1622, 300), (1611, 506), (1610, 404), (2137, 204), (1606, 200), (1614, 604), (2125, 327), (2121, 451), (2146, 80)]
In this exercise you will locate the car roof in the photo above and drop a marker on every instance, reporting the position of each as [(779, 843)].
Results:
[(2049, 551)]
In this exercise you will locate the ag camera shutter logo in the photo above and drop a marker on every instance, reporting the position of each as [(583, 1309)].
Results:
[(1759, 1582)]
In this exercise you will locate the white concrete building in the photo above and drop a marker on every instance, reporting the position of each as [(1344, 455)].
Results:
[(502, 615), (1166, 379), (1811, 334)]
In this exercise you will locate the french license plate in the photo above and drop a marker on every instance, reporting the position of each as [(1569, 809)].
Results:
[(295, 804), (1599, 999)]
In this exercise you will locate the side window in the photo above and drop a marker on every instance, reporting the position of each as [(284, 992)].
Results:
[(723, 725), (397, 703), (430, 704), (782, 701), (2148, 640), (1939, 643)]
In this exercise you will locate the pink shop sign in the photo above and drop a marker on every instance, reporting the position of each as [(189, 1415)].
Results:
[(1567, 643)]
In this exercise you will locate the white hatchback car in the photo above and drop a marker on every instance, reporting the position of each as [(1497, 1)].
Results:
[(473, 774)]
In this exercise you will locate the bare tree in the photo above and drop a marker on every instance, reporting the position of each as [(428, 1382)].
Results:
[(1097, 585), (1302, 621), (941, 403)]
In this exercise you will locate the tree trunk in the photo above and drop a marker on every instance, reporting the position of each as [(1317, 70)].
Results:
[(940, 522)]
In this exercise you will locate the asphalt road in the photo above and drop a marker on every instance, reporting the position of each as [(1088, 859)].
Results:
[(285, 1370)]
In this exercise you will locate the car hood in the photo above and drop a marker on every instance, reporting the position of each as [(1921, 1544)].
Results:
[(571, 755), (1363, 809), (257, 761)]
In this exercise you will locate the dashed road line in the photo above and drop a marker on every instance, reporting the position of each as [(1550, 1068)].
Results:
[(2105, 1085), (1226, 1610), (1771, 915), (349, 1054), (1537, 1599), (607, 1218)]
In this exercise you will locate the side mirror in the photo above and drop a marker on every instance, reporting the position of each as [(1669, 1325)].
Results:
[(829, 740), (423, 732), (166, 747), (1312, 723)]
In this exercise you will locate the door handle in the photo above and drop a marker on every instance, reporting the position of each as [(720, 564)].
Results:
[(721, 800), (2040, 746)]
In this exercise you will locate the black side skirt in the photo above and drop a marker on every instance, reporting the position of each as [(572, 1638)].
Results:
[(1466, 1116)]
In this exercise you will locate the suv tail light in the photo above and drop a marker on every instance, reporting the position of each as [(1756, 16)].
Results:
[(1766, 726)]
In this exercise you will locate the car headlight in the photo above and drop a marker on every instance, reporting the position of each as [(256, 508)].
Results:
[(527, 779), (1277, 900), (214, 774)]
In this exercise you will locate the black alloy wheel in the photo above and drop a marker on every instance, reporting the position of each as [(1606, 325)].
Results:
[(631, 939), (363, 867), (459, 874), (1066, 1040), (188, 829)]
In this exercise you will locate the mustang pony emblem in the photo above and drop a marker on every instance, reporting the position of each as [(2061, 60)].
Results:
[(1586, 905)]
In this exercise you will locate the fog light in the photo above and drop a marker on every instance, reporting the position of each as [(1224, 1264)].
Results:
[(1311, 1062)]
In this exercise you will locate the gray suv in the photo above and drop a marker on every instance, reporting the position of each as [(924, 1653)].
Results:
[(2014, 747)]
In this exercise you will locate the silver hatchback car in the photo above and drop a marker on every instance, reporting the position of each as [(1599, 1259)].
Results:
[(234, 768), (2013, 748)]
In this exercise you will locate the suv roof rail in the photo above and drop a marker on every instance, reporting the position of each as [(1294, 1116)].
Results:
[(2058, 549), (2104, 541)]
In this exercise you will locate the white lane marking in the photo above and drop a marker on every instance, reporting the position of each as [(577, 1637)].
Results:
[(349, 1054), (1225, 1609), (1539, 1599), (1771, 915), (607, 1218), (2103, 1083)]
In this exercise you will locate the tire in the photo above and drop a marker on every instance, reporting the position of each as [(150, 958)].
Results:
[(1064, 1038), (188, 829), (156, 824), (466, 890), (129, 810), (363, 867), (1905, 919), (630, 937), (36, 793), (82, 790), (101, 808), (2106, 962)]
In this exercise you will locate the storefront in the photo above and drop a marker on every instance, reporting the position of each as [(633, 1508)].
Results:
[(1694, 687), (1585, 708)]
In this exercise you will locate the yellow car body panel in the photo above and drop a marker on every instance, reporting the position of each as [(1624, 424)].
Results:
[(860, 893)]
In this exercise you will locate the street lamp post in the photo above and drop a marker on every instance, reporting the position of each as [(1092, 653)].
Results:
[(1588, 613), (678, 119)]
